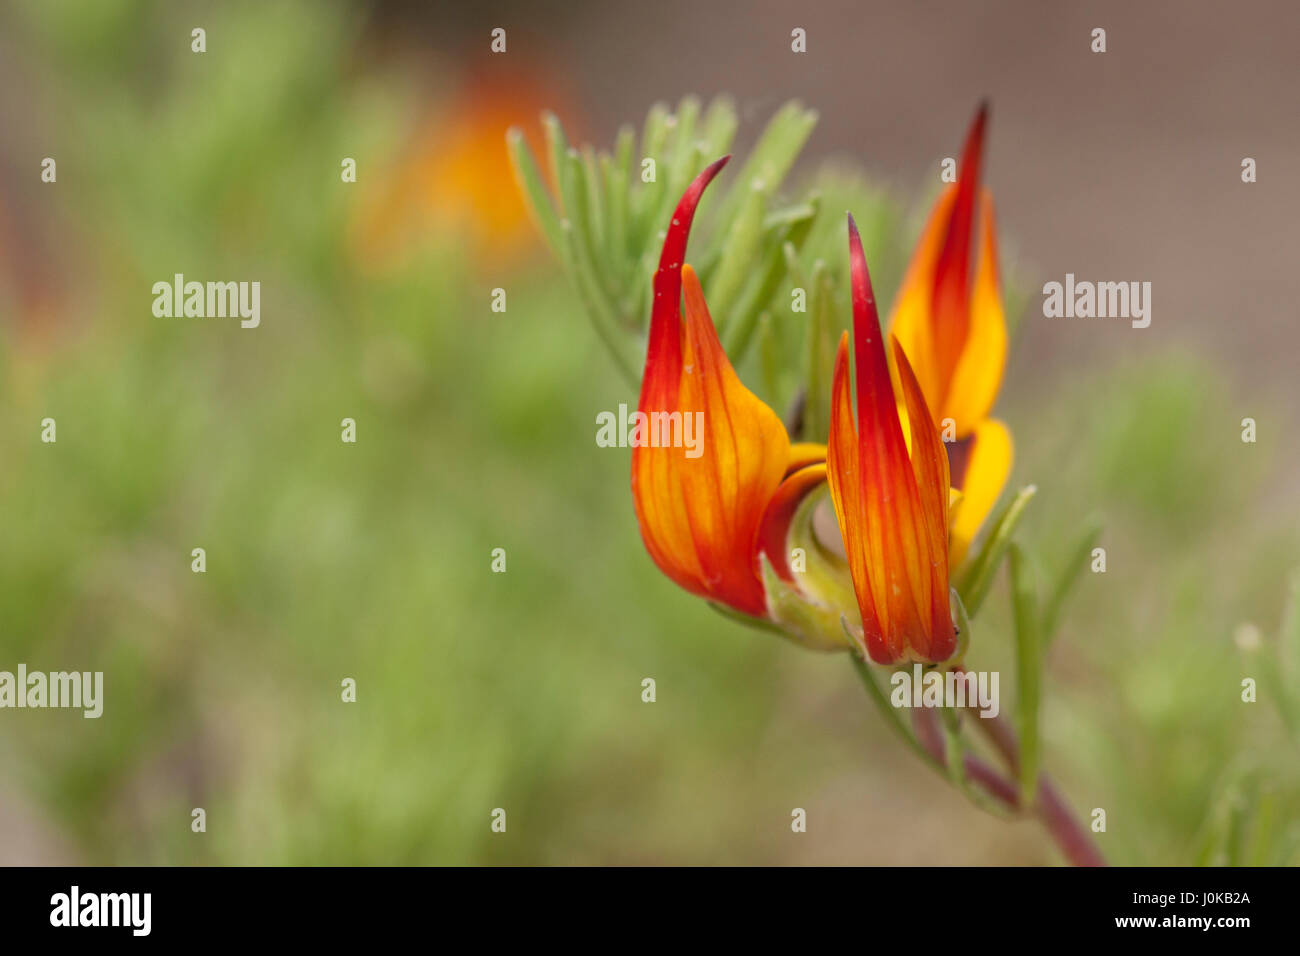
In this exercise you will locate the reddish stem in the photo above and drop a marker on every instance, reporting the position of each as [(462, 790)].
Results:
[(1050, 806), (1069, 834)]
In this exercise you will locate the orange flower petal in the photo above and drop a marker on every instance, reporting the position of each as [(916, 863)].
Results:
[(912, 321), (930, 467), (978, 375), (988, 464), (951, 298), (954, 333), (892, 508), (780, 512), (700, 514), (803, 454)]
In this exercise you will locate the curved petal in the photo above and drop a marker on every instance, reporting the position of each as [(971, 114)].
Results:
[(952, 329), (938, 641), (911, 322), (987, 469), (663, 357), (700, 513), (978, 376), (892, 507), (844, 477), (951, 299), (805, 453), (781, 509)]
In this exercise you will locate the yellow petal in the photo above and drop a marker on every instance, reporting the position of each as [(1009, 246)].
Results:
[(987, 470), (805, 453), (978, 375), (911, 322)]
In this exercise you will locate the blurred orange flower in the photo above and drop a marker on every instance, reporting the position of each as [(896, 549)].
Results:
[(453, 182)]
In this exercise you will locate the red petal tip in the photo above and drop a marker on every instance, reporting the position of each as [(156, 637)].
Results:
[(864, 299)]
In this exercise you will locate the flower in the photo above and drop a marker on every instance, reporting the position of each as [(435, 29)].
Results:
[(892, 505), (445, 184), (707, 517), (954, 333)]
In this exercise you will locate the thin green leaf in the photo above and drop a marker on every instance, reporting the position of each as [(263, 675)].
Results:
[(821, 352), (682, 166), (719, 127), (1079, 557), (772, 158), (962, 623), (766, 278), (954, 746), (557, 146), (888, 710), (1289, 638), (800, 213), (646, 199), (769, 356), (597, 233), (740, 249), (974, 581), (535, 192), (1029, 670), (614, 336), (1263, 837)]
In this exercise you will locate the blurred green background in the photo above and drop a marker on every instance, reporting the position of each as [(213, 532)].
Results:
[(475, 431)]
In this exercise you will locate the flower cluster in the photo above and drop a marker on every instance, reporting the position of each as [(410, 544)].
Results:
[(913, 471)]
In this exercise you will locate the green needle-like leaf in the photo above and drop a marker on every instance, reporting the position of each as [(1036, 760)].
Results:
[(1029, 670), (821, 352), (646, 198), (557, 146), (954, 746), (1289, 639), (766, 280), (1078, 559), (740, 250), (597, 233), (682, 166), (772, 158), (769, 355), (614, 336), (974, 581), (535, 192), (719, 127), (886, 709)]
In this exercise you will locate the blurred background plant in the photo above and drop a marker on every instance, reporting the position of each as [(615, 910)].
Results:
[(475, 431)]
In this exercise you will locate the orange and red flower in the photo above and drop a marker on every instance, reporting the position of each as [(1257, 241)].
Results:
[(892, 505), (712, 520), (953, 330), (707, 519)]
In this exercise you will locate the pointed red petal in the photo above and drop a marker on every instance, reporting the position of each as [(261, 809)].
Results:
[(937, 641), (663, 352), (952, 271), (890, 526)]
